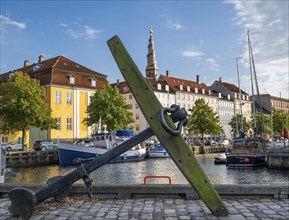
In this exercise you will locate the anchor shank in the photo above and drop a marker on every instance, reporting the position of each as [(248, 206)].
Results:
[(174, 144)]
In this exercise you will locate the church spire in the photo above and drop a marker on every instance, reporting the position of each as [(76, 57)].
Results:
[(152, 71)]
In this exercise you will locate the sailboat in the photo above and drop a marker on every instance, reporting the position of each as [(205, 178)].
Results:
[(249, 151)]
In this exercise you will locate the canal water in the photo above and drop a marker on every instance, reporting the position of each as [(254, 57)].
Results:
[(135, 172)]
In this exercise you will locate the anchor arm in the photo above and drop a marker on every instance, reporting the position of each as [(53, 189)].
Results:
[(23, 201)]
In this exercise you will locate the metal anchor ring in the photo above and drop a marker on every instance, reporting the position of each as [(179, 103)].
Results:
[(177, 115)]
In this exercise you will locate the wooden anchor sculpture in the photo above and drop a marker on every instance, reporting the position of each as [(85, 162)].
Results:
[(24, 201)]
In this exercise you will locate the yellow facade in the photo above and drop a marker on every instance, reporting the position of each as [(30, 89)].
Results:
[(66, 110), (17, 136)]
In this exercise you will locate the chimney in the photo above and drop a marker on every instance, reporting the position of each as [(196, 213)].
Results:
[(40, 58), (220, 79), (167, 73), (198, 79), (26, 63), (117, 81)]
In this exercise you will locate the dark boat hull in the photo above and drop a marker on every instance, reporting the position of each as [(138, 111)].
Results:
[(246, 160)]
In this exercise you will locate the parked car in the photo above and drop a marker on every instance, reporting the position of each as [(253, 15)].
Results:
[(44, 145), (13, 146)]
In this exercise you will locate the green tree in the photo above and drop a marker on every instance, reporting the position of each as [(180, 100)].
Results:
[(234, 127), (23, 106), (267, 123), (203, 120), (280, 119), (111, 108)]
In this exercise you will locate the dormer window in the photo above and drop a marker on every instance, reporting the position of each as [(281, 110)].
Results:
[(203, 91), (93, 82), (36, 66), (71, 79), (181, 87), (196, 90), (159, 86), (188, 88), (11, 74), (125, 89), (167, 88), (236, 96)]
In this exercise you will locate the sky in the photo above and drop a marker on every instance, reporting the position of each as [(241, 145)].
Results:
[(191, 37)]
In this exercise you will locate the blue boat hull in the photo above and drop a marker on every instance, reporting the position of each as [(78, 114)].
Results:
[(66, 155)]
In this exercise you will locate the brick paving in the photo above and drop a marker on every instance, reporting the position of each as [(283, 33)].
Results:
[(75, 208)]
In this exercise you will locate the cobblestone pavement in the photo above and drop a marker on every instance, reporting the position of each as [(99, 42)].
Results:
[(169, 209)]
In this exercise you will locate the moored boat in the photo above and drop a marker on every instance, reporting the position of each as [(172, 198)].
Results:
[(158, 152), (102, 142), (248, 152), (220, 160)]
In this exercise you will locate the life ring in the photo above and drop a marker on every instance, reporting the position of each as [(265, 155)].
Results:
[(114, 145)]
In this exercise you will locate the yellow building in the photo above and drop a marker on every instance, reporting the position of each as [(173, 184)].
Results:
[(68, 86)]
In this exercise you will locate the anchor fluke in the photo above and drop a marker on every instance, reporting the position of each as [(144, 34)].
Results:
[(23, 202)]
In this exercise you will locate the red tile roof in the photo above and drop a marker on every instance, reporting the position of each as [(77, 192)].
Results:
[(232, 87), (57, 70), (177, 83)]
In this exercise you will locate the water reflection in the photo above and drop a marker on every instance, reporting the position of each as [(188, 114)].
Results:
[(134, 173)]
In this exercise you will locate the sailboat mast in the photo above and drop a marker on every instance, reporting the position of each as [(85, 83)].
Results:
[(252, 86), (258, 94), (240, 95)]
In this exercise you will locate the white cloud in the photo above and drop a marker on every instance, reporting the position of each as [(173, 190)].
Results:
[(192, 53), (268, 25), (8, 21), (213, 65), (84, 32), (174, 25)]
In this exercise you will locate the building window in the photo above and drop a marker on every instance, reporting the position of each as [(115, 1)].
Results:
[(159, 86), (11, 74), (58, 123), (130, 96), (72, 79), (125, 89), (68, 123), (167, 88), (4, 139), (136, 116), (93, 82), (137, 127), (69, 98), (58, 97), (136, 106)]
